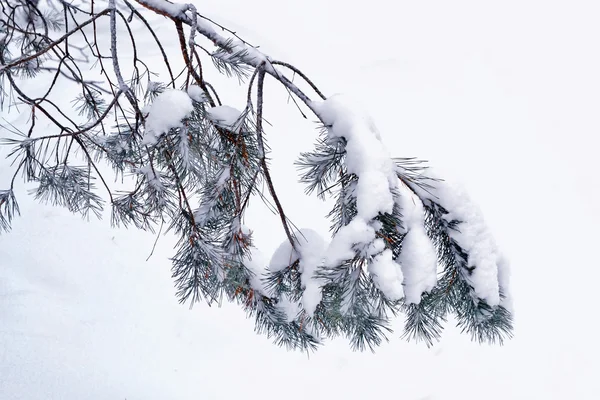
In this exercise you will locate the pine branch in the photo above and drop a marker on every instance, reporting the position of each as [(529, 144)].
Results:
[(195, 165)]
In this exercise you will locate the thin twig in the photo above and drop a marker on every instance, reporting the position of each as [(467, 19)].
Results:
[(157, 237), (302, 75), (30, 57), (158, 43), (263, 162)]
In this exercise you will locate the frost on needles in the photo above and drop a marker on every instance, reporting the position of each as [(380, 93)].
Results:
[(402, 241)]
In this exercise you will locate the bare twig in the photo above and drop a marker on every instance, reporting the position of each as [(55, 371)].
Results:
[(36, 55), (297, 71), (259, 111)]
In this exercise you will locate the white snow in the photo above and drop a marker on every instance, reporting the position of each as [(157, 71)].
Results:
[(153, 86), (387, 275), (151, 177), (283, 257), (174, 9), (206, 28), (226, 117), (504, 283), (369, 159), (418, 257), (366, 155), (166, 112), (310, 249), (250, 55), (184, 147), (474, 236), (196, 93), (224, 176), (206, 209), (253, 56), (203, 213), (342, 244), (376, 247), (290, 308), (256, 262), (72, 327)]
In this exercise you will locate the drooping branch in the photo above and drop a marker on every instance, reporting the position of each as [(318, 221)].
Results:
[(196, 164)]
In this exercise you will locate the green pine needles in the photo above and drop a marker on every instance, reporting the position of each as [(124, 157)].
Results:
[(402, 242)]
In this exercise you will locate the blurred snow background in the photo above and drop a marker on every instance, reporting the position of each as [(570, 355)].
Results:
[(503, 98)]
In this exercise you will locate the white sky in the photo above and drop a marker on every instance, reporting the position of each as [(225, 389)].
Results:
[(503, 97)]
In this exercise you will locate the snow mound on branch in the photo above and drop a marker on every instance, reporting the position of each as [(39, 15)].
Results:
[(418, 257), (366, 155), (342, 245), (249, 52), (173, 9), (504, 282), (474, 236), (290, 308), (367, 158), (226, 117), (166, 112), (256, 262), (490, 270), (310, 249), (387, 275), (196, 93)]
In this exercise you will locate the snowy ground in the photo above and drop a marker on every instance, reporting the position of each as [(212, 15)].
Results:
[(505, 98)]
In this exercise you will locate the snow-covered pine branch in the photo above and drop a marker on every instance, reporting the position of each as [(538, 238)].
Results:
[(401, 241)]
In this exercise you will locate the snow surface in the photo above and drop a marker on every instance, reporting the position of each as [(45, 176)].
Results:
[(166, 112), (511, 112)]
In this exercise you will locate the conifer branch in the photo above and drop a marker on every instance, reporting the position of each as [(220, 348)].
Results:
[(194, 164)]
